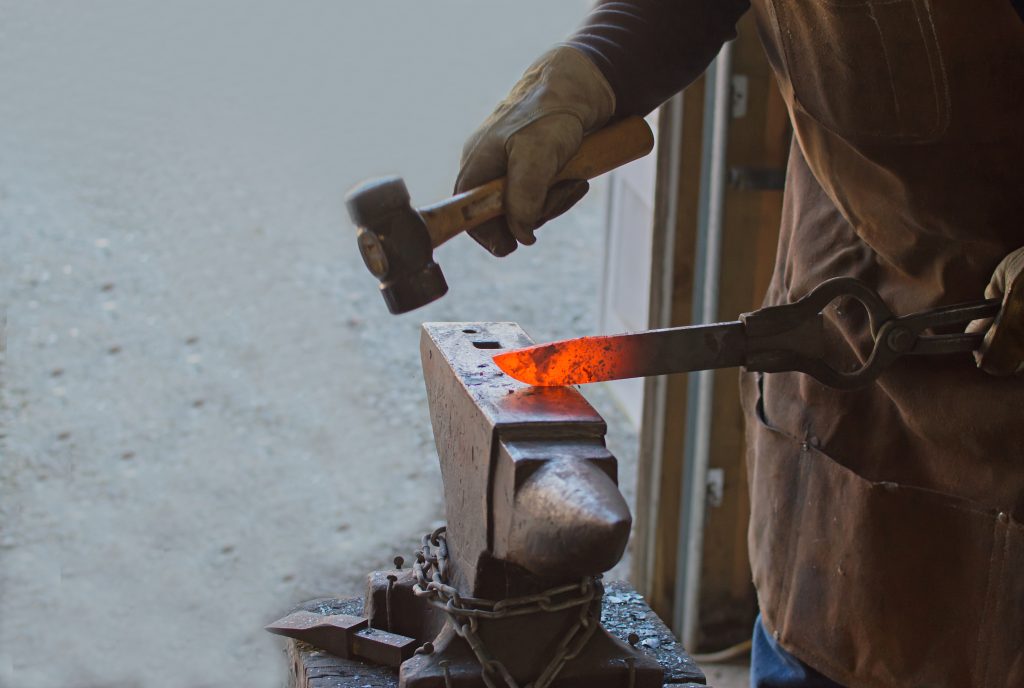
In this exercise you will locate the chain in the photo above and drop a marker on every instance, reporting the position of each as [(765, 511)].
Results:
[(465, 613)]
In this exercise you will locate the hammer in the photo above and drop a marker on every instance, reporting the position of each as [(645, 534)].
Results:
[(397, 241)]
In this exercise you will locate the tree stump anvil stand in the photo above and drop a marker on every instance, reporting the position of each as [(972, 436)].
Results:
[(510, 594), (624, 613)]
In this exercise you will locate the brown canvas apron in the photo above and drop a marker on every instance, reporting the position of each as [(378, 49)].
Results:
[(887, 527)]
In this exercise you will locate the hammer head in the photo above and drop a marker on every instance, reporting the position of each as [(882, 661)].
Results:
[(395, 244)]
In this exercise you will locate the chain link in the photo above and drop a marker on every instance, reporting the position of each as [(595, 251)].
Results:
[(465, 613)]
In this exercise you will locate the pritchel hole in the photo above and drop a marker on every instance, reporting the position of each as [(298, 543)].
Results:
[(470, 331), (487, 345)]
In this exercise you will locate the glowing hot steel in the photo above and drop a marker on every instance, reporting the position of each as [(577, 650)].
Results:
[(574, 361), (637, 354)]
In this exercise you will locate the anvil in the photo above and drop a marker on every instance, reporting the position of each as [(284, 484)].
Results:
[(532, 504)]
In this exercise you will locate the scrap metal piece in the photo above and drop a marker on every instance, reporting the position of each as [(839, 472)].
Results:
[(346, 636), (332, 633), (382, 647)]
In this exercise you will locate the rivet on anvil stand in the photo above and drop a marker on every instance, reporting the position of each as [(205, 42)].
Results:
[(510, 592)]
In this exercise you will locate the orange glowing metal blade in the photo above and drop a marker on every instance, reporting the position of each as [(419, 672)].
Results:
[(614, 357), (570, 362)]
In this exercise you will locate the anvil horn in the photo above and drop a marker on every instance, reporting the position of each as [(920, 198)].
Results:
[(567, 518)]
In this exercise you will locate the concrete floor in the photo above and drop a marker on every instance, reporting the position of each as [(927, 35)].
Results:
[(728, 675), (206, 414)]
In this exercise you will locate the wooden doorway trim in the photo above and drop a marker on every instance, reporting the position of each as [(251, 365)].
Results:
[(757, 141)]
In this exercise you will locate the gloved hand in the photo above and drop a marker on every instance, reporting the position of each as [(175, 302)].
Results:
[(1002, 352), (529, 137)]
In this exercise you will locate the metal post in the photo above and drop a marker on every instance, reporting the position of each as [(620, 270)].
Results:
[(652, 433), (701, 386)]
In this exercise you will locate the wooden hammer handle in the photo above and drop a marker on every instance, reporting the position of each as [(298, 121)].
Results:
[(600, 152)]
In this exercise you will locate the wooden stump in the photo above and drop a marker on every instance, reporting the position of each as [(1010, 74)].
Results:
[(623, 612)]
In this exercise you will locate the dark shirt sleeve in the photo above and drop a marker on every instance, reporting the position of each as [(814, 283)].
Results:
[(651, 49)]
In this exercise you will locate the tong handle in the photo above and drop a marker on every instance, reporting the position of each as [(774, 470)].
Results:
[(791, 337), (904, 335)]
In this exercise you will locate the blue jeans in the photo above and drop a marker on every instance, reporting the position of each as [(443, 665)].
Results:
[(773, 667)]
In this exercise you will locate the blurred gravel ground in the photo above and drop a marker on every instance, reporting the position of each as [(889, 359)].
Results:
[(206, 413)]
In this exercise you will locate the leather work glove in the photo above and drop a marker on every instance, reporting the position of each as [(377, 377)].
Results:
[(529, 137), (1002, 352)]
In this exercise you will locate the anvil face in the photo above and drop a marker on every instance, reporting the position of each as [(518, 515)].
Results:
[(527, 478)]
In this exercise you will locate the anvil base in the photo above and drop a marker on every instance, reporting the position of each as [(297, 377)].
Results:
[(623, 612)]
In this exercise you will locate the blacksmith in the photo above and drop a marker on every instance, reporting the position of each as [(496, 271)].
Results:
[(887, 528)]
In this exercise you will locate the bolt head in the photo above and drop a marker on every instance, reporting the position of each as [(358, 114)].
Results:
[(900, 339)]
